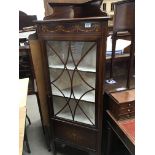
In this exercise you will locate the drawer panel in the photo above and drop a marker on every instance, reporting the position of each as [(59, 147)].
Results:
[(126, 116), (127, 105), (122, 104), (76, 135), (126, 110)]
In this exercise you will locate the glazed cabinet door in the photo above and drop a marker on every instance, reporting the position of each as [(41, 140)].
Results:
[(72, 72)]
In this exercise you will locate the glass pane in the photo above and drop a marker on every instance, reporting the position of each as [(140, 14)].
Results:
[(85, 90), (85, 113), (61, 108), (61, 82), (57, 53), (72, 68)]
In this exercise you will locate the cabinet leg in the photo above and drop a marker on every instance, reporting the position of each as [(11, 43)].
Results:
[(92, 153), (47, 138), (54, 148)]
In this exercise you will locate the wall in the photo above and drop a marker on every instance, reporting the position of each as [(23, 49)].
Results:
[(32, 7)]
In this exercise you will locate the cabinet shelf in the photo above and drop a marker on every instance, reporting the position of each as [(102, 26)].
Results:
[(79, 118), (78, 92), (72, 67), (88, 109), (84, 68)]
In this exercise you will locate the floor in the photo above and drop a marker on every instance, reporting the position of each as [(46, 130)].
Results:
[(34, 131)]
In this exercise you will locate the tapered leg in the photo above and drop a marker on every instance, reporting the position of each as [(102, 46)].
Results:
[(47, 138), (54, 148), (28, 119), (131, 59)]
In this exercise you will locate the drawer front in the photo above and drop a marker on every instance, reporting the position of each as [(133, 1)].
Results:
[(76, 135), (126, 116), (127, 105), (126, 110)]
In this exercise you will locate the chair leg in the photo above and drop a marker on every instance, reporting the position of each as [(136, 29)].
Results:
[(48, 139), (111, 78), (112, 56), (28, 119), (130, 64), (27, 142), (54, 148)]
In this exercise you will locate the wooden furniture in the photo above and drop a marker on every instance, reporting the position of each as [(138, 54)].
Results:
[(49, 10), (125, 131), (75, 10), (119, 107), (25, 21), (124, 21), (40, 82), (23, 88), (25, 65), (122, 104), (73, 50)]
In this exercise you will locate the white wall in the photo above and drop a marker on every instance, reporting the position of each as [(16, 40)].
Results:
[(32, 7)]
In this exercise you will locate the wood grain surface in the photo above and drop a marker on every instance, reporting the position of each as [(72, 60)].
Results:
[(23, 87)]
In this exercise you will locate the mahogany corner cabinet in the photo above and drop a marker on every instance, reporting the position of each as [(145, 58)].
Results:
[(74, 55)]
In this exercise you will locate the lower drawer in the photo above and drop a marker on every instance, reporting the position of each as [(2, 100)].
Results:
[(126, 116), (77, 135), (126, 110)]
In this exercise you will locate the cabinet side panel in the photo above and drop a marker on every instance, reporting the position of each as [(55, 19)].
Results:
[(38, 69)]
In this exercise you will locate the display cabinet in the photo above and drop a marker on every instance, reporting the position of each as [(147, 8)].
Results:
[(74, 53)]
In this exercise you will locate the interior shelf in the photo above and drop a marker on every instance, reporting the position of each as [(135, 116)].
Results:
[(88, 109), (78, 92), (84, 68), (79, 118), (71, 66)]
